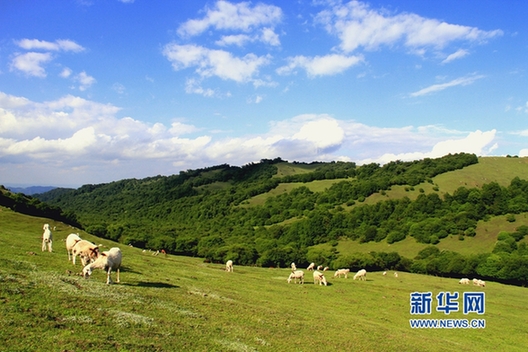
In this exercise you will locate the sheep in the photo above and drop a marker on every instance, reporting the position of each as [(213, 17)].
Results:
[(384, 273), (361, 275), (481, 283), (475, 282), (326, 268), (86, 250), (319, 267), (319, 278), (71, 240), (229, 266), (296, 275), (293, 267), (395, 274), (47, 238), (340, 272), (108, 261), (311, 266), (464, 281)]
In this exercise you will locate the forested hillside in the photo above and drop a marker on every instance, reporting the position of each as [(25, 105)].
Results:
[(209, 213), (28, 205)]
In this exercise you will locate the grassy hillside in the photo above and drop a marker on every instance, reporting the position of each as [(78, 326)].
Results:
[(180, 303), (489, 169)]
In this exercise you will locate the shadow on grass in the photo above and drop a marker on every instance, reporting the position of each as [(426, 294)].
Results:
[(151, 284)]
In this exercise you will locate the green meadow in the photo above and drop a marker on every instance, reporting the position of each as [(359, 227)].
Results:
[(177, 303)]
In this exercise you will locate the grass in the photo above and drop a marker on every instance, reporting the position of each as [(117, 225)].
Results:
[(183, 304)]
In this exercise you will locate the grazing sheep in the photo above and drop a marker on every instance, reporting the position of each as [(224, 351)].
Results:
[(481, 283), (319, 278), (319, 267), (71, 240), (229, 266), (296, 275), (464, 281), (86, 250), (340, 272), (108, 261), (326, 268), (384, 273), (293, 266), (311, 266), (475, 282), (361, 275), (395, 274), (47, 238)]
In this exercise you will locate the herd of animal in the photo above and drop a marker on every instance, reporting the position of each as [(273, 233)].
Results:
[(476, 282), (92, 258), (89, 253), (297, 276)]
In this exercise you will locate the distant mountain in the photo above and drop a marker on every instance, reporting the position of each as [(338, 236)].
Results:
[(31, 190)]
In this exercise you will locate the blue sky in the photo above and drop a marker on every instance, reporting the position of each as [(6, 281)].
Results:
[(94, 91)]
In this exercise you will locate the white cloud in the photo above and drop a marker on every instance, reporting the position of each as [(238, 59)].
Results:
[(320, 65), (118, 88), (67, 139), (31, 63), (85, 80), (523, 153), (217, 63), (478, 142), (460, 53), (267, 36), (58, 45), (238, 39), (357, 25), (462, 81), (323, 133), (233, 16), (66, 72), (193, 86)]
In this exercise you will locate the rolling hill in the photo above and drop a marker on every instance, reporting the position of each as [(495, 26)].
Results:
[(451, 216), (178, 303)]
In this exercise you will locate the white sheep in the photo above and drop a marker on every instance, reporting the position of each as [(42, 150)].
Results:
[(475, 282), (86, 250), (361, 275), (71, 240), (296, 275), (326, 268), (47, 238), (340, 272), (395, 274), (311, 266), (384, 273), (293, 267), (319, 278), (108, 261), (229, 266), (319, 267), (481, 283), (464, 281)]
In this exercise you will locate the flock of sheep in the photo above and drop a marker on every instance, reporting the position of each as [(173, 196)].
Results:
[(91, 257), (476, 282), (318, 276)]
